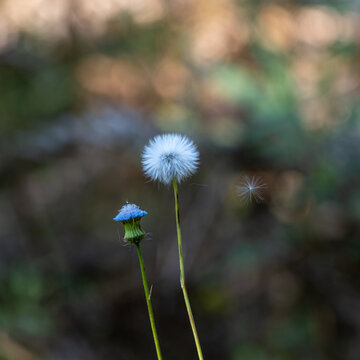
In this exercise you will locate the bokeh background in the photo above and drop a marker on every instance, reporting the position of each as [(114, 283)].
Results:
[(265, 88)]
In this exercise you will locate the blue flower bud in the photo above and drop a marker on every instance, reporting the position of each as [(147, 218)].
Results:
[(130, 215)]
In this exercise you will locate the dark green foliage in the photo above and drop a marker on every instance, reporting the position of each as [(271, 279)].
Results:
[(277, 280)]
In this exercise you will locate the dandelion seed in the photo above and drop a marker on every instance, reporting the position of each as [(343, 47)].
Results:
[(251, 189), (168, 157)]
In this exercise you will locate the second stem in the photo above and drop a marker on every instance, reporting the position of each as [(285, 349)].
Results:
[(182, 272), (148, 302)]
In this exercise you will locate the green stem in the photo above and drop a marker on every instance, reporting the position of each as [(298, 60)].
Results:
[(148, 302), (182, 272)]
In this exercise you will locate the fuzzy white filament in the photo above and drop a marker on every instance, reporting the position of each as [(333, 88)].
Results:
[(168, 157), (251, 189)]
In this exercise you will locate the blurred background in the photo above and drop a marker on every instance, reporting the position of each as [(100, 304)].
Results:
[(265, 88)]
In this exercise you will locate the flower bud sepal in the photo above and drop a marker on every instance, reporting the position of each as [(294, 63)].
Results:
[(133, 231)]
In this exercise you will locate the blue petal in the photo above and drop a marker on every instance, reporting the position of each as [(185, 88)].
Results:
[(129, 211)]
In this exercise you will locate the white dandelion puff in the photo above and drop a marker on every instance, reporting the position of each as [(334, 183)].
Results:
[(251, 189), (168, 157)]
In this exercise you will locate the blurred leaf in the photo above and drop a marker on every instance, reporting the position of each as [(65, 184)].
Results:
[(22, 308), (236, 84), (249, 352)]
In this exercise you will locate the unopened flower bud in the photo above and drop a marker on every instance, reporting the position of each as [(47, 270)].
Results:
[(130, 215)]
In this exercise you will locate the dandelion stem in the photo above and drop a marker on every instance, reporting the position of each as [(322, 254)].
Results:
[(148, 302), (182, 272)]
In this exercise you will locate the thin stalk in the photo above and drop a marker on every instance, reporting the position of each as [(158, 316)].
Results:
[(148, 302), (182, 272)]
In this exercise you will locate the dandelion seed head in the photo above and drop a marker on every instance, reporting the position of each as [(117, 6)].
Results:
[(128, 212), (170, 156), (250, 189)]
